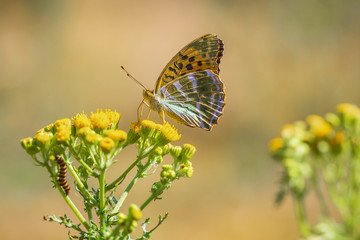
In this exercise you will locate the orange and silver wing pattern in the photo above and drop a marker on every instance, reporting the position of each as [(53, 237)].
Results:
[(195, 99), (203, 53)]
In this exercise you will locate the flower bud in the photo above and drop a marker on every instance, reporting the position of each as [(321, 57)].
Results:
[(188, 151), (26, 142)]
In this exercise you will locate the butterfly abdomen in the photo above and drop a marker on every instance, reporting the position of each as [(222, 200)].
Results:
[(62, 174)]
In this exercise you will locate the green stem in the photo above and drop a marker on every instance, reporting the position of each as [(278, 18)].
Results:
[(301, 218), (124, 195), (122, 176), (102, 197), (69, 202), (79, 183), (152, 197), (322, 203), (76, 156), (139, 174)]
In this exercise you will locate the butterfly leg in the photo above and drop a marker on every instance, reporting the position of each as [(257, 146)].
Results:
[(163, 116), (148, 113), (140, 110)]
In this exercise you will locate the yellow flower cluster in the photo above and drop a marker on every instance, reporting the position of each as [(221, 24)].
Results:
[(328, 131), (84, 127), (103, 119)]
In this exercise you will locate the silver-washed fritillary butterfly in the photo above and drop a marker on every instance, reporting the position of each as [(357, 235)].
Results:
[(189, 89)]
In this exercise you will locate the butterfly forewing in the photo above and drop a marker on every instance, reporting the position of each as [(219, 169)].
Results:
[(202, 53), (195, 99)]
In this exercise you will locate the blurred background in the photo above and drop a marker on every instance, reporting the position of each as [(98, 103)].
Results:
[(283, 60)]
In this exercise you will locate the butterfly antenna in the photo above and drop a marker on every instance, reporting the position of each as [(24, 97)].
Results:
[(129, 75)]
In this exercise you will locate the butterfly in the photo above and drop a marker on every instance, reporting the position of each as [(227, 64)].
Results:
[(189, 89)]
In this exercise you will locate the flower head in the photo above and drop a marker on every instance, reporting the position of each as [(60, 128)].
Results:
[(43, 137), (81, 121), (116, 134), (168, 133), (92, 137), (63, 128), (149, 129), (99, 119), (113, 116), (107, 143)]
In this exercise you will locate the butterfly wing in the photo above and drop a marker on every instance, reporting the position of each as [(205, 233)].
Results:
[(203, 53), (195, 99)]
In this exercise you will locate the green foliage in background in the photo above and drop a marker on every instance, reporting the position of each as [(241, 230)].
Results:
[(88, 146), (322, 155)]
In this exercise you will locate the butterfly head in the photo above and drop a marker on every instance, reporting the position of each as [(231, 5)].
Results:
[(147, 94)]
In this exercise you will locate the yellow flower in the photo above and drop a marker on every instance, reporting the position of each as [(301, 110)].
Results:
[(116, 134), (150, 124), (84, 131), (92, 137), (276, 144), (107, 143), (149, 129), (135, 127), (81, 120), (99, 119), (318, 126), (49, 127), (63, 127), (43, 137), (114, 117), (337, 139), (349, 109), (134, 212), (169, 133)]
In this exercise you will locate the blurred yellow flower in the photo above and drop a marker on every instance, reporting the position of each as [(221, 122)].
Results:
[(337, 139), (318, 126), (349, 109), (276, 144)]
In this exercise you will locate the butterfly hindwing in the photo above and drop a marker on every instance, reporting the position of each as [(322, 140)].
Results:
[(202, 53), (195, 99)]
